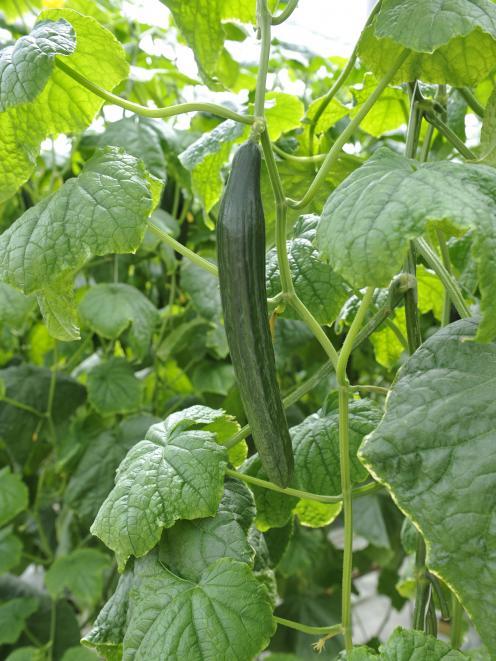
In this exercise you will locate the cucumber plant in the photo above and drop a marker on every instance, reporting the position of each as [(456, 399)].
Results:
[(247, 367)]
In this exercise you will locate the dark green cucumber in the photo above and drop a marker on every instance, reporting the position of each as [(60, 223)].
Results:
[(241, 258)]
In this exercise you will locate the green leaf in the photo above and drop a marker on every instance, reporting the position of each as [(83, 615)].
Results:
[(407, 645), (205, 158), (320, 288), (79, 654), (113, 388), (175, 473), (13, 495), (368, 521), (62, 106), (26, 654), (30, 385), (430, 292), (443, 476), (217, 378), (108, 631), (334, 111), (317, 515), (81, 572), (203, 288), (16, 9), (109, 309), (15, 308), (226, 613), (388, 347), (388, 113), (488, 132), (283, 113), (190, 547), (370, 218), (26, 66), (13, 616), (36, 256), (455, 45), (316, 448), (93, 478), (274, 510), (10, 547), (140, 137)]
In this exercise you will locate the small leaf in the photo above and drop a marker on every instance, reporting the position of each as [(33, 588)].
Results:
[(333, 112), (81, 572), (320, 288), (113, 388), (203, 288), (10, 547), (316, 448), (109, 309), (175, 473), (443, 476), (205, 158), (13, 495), (283, 113), (13, 616), (225, 613), (108, 631), (313, 514)]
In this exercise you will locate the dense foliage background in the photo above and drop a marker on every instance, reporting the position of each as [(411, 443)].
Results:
[(133, 332)]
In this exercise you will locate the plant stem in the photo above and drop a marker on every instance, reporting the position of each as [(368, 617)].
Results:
[(344, 462), (456, 623), (335, 151), (449, 282), (286, 13), (340, 80), (316, 158), (447, 265), (161, 113), (264, 19), (182, 250), (450, 135), (298, 493), (378, 389), (335, 629), (307, 317), (471, 101)]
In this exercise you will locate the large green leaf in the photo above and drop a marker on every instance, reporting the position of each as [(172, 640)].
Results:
[(434, 450), (189, 547), (81, 572), (93, 478), (62, 106), (320, 288), (451, 42), (370, 218), (177, 472), (45, 247), (26, 66), (30, 385), (109, 309), (225, 614), (13, 495)]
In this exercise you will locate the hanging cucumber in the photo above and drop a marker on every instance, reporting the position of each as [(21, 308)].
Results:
[(241, 257)]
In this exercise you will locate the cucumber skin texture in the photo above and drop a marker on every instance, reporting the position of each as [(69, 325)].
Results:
[(241, 262)]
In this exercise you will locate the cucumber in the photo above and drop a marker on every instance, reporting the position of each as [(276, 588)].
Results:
[(241, 260)]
